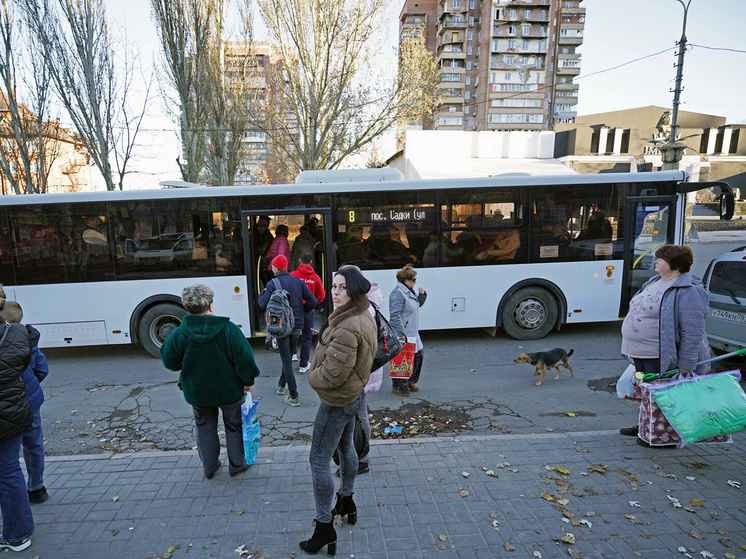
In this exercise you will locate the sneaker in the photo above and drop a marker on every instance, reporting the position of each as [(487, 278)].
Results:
[(295, 356), (281, 390), (15, 546), (304, 369), (38, 496), (413, 387), (629, 431), (290, 401)]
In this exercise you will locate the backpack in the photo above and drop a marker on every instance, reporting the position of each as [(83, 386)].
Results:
[(362, 446), (389, 344), (279, 315)]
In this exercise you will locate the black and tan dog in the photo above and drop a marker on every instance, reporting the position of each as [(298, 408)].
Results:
[(544, 360)]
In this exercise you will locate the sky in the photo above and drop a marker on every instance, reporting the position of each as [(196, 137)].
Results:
[(617, 32)]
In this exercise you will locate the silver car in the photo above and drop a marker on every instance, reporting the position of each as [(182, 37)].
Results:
[(725, 279)]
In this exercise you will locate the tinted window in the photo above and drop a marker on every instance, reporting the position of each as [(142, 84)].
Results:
[(7, 277), (729, 278), (377, 230), (62, 243)]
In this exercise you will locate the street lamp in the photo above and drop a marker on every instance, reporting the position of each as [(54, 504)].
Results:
[(673, 151)]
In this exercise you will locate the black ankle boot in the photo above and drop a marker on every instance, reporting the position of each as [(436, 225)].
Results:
[(324, 534), (345, 505)]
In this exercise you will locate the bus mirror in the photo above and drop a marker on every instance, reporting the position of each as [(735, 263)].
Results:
[(727, 205)]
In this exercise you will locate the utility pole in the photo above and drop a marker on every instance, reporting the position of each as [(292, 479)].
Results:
[(673, 151)]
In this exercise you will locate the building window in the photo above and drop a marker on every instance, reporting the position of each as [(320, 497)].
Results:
[(567, 20), (451, 121), (524, 60), (471, 5), (526, 29), (527, 14), (450, 77), (508, 60), (495, 46), (543, 15), (469, 37), (563, 80), (525, 45), (467, 95), (468, 65), (456, 4), (507, 76), (511, 30), (568, 5), (513, 14), (468, 80), (522, 76), (452, 109), (511, 45), (471, 22), (468, 51), (565, 51), (515, 118), (466, 110)]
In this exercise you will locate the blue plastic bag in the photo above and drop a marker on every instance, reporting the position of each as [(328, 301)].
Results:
[(701, 407), (251, 430)]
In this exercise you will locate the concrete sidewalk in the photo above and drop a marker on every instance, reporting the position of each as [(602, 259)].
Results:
[(156, 504)]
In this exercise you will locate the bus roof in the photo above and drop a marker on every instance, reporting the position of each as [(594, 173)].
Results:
[(340, 187)]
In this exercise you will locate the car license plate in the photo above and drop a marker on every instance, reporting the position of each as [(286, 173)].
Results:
[(728, 315)]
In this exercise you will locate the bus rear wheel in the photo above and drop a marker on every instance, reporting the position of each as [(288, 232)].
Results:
[(157, 324), (529, 314)]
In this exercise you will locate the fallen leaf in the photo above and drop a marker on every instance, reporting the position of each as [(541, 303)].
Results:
[(494, 515), (509, 546), (537, 554), (583, 450), (725, 542), (730, 556), (736, 484), (292, 554), (441, 546), (114, 532), (566, 513), (562, 470), (337, 521), (570, 414), (563, 501), (714, 515), (547, 496), (568, 538), (590, 513), (465, 474), (550, 430), (696, 535), (442, 538), (575, 553), (491, 473), (430, 479), (707, 555), (584, 521), (634, 504), (115, 498), (599, 468), (632, 518), (463, 492), (173, 548), (696, 503), (239, 512), (723, 532)]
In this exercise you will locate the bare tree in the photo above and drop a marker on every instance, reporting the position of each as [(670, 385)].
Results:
[(206, 79), (87, 77), (28, 138), (334, 101)]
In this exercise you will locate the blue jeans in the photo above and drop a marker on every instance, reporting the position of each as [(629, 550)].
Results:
[(208, 442), (33, 453), (18, 522), (287, 347), (306, 338), (334, 427)]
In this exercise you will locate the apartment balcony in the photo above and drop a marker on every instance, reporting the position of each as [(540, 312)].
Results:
[(568, 69), (448, 85), (571, 40), (452, 97), (513, 88), (450, 55), (451, 24), (565, 114), (567, 87), (572, 11)]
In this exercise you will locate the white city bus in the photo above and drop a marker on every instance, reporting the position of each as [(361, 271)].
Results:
[(109, 267)]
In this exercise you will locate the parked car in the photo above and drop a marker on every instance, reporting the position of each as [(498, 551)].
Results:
[(725, 279)]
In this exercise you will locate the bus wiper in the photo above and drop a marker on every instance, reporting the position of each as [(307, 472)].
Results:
[(731, 295)]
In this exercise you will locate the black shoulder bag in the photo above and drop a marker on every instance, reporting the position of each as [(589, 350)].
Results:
[(389, 344)]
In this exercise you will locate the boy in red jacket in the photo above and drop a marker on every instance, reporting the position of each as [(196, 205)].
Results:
[(313, 282)]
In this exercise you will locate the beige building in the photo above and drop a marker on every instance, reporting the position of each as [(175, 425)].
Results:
[(629, 140), (505, 64), (67, 164)]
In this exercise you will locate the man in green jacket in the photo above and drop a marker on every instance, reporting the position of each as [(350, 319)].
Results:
[(217, 370)]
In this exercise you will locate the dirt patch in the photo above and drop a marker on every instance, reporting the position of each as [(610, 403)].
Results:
[(422, 418)]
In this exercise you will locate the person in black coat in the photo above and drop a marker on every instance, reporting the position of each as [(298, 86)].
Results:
[(15, 418)]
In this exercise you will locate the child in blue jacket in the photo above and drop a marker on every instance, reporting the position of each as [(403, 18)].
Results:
[(33, 439)]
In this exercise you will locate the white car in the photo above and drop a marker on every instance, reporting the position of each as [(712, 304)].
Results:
[(725, 279)]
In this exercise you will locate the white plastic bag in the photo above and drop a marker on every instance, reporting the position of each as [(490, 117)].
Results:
[(627, 387)]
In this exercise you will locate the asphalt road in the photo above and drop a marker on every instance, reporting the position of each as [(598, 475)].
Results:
[(118, 398)]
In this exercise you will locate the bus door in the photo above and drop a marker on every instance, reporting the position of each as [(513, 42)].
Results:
[(308, 230), (649, 223)]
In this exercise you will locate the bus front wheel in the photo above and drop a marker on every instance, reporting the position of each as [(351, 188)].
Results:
[(529, 314), (157, 324)]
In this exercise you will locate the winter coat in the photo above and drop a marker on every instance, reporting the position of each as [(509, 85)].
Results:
[(300, 245), (280, 245), (312, 280), (347, 346), (301, 298), (404, 310), (15, 353), (682, 336), (375, 296), (214, 358), (36, 372)]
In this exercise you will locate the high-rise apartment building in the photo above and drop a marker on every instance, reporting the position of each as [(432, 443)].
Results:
[(505, 64)]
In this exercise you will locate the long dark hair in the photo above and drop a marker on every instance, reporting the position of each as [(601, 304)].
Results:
[(357, 286)]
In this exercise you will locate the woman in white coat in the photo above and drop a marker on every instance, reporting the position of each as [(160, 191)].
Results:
[(404, 310)]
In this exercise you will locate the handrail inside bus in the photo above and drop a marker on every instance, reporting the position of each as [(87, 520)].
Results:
[(644, 253), (258, 272)]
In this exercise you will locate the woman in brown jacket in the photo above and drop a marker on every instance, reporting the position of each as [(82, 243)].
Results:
[(340, 370)]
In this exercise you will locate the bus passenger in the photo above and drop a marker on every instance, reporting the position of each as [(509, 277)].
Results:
[(306, 273), (503, 248), (404, 310), (303, 243), (262, 240), (280, 244), (354, 250), (397, 252), (217, 371)]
